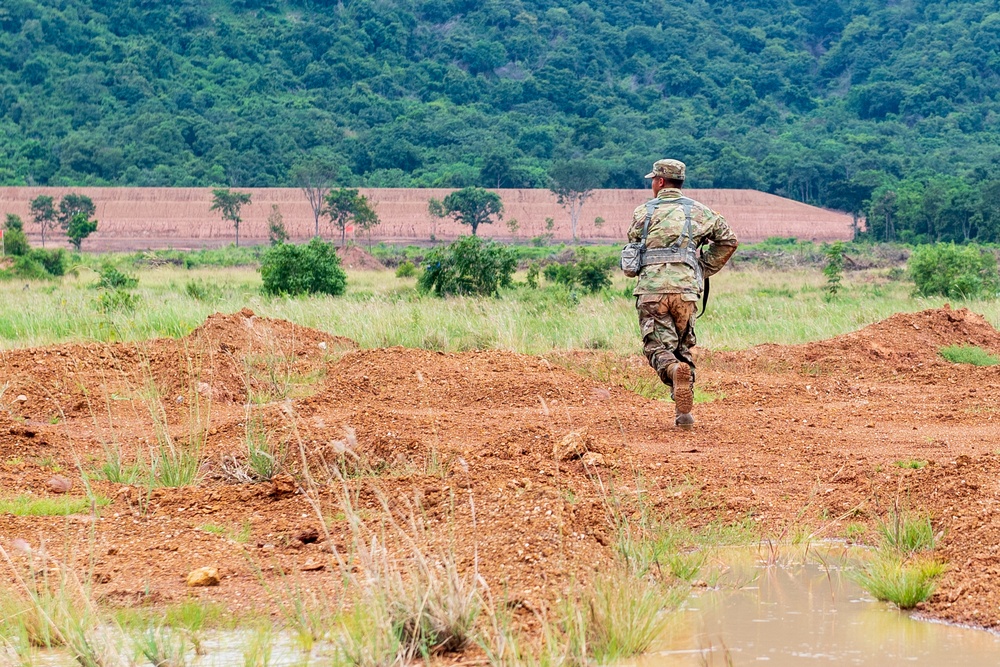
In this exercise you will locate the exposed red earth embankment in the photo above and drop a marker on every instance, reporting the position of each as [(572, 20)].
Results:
[(141, 218), (802, 436)]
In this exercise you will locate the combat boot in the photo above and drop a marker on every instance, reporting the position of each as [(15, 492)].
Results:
[(682, 393)]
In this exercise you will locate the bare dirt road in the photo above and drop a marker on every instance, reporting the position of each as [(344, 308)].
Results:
[(799, 438)]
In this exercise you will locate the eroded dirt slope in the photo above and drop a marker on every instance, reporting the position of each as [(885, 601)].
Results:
[(515, 456)]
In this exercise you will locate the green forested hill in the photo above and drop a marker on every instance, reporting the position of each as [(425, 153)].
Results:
[(826, 101)]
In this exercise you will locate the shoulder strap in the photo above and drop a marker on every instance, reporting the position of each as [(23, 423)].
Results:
[(686, 238), (650, 207)]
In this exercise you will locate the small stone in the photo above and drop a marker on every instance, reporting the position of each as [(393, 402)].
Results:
[(306, 535), (282, 486), (203, 576), (572, 446), (593, 459), (312, 565), (21, 398), (322, 346), (59, 484)]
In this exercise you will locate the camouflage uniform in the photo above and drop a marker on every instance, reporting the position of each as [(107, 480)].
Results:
[(667, 294)]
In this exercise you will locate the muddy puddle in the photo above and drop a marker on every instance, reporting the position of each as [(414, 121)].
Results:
[(799, 607), (805, 611)]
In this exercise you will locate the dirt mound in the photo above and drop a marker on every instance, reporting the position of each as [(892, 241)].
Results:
[(247, 333), (903, 343), (354, 257), (910, 338), (814, 438)]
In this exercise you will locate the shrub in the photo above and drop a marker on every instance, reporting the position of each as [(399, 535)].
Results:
[(591, 273), (532, 277), (834, 269), (964, 272), (469, 265), (199, 290), (111, 278), (15, 241), (27, 267), (313, 268), (406, 269), (594, 273), (117, 300)]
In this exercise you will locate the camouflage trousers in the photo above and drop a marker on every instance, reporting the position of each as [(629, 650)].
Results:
[(667, 325)]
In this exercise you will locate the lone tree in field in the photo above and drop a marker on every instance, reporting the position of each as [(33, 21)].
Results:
[(347, 205), (471, 206), (573, 183), (315, 178), (43, 212), (79, 228), (75, 216), (229, 203)]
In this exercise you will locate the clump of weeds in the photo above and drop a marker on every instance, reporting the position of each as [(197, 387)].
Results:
[(901, 570)]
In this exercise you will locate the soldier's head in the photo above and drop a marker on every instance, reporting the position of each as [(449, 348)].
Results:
[(667, 174)]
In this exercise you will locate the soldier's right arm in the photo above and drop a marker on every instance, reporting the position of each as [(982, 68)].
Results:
[(635, 229)]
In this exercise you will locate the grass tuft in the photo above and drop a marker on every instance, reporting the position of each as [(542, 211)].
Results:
[(968, 354), (624, 614), (906, 534), (60, 506), (906, 584)]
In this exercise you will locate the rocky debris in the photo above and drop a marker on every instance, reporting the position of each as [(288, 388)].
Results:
[(574, 445), (306, 535), (283, 486), (59, 484), (312, 565), (203, 576)]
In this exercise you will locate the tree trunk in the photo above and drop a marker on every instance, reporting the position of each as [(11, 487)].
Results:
[(237, 226)]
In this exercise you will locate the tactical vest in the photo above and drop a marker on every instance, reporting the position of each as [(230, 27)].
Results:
[(682, 251)]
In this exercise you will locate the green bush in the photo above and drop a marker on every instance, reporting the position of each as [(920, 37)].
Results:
[(28, 268), (15, 241), (117, 300), (54, 261), (199, 290), (469, 265), (592, 272), (112, 279), (312, 268), (406, 269), (958, 272)]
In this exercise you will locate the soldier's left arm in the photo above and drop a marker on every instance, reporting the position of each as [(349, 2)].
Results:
[(722, 244)]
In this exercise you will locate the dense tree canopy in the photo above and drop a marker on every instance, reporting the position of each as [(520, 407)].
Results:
[(825, 101)]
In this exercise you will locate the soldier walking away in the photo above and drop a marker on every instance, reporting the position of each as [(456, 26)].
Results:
[(666, 233)]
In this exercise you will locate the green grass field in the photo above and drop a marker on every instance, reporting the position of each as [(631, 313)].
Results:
[(748, 307)]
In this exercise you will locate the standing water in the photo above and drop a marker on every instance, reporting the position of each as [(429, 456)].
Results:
[(810, 614)]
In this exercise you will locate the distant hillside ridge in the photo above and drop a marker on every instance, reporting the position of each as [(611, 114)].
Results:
[(150, 218)]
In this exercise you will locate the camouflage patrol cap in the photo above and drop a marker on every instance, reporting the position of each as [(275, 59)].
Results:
[(672, 169)]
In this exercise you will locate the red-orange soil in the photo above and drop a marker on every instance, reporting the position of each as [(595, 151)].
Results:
[(801, 437), (141, 218)]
